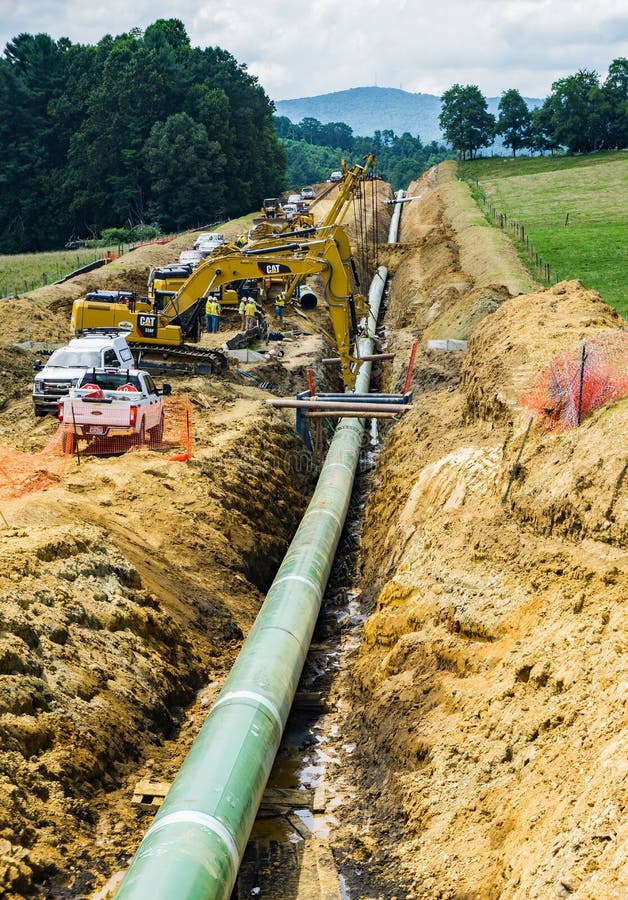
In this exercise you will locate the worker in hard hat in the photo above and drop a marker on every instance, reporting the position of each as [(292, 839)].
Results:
[(212, 314), (280, 302), (241, 310), (250, 311)]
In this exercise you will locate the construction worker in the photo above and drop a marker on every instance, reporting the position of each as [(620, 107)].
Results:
[(280, 302), (241, 310), (212, 314), (250, 311)]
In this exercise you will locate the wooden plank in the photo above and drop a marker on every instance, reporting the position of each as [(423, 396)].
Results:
[(150, 794), (299, 826), (311, 700), (319, 803), (283, 799), (327, 872)]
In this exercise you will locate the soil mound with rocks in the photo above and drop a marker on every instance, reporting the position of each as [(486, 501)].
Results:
[(488, 710)]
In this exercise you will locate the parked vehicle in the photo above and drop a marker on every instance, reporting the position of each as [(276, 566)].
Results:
[(209, 240), (67, 365), (110, 404), (191, 257)]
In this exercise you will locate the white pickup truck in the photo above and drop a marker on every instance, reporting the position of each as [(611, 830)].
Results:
[(119, 407)]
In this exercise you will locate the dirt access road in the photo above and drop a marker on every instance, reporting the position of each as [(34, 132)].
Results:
[(484, 702)]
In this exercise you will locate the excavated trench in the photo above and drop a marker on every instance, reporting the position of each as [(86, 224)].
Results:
[(289, 854), (459, 730)]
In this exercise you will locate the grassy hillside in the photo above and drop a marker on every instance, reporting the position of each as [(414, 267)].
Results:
[(574, 210), (23, 272)]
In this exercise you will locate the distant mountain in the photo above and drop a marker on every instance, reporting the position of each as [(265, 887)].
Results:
[(369, 109)]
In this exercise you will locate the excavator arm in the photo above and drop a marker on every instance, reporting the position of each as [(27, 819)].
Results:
[(328, 254)]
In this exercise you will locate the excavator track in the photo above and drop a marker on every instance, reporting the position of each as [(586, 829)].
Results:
[(184, 360)]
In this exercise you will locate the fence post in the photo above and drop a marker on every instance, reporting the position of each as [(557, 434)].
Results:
[(582, 362)]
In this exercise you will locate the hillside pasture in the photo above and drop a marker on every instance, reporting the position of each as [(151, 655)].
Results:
[(23, 272), (574, 210)]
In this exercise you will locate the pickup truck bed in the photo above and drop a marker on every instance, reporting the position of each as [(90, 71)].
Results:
[(109, 406)]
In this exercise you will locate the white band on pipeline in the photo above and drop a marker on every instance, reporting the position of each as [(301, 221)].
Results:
[(257, 698), (330, 465), (195, 817), (325, 512), (303, 580)]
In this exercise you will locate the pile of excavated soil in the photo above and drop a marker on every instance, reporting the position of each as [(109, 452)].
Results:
[(486, 705)]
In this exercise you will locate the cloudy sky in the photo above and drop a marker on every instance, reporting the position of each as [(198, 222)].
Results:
[(300, 48)]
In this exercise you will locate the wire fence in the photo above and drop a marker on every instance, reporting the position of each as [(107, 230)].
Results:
[(540, 266), (13, 286)]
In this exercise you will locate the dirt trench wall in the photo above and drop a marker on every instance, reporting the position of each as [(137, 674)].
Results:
[(122, 591), (489, 717)]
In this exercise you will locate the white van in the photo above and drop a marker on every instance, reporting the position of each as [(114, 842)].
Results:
[(209, 240), (191, 257), (68, 364)]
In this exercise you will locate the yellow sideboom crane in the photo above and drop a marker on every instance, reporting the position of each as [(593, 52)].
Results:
[(348, 190), (327, 255)]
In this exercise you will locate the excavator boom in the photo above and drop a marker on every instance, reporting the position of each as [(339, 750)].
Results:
[(328, 254)]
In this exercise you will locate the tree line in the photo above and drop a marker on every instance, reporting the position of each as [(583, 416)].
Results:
[(314, 149), (141, 128), (581, 115)]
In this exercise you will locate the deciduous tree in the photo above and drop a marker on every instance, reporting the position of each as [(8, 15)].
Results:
[(465, 120), (514, 120)]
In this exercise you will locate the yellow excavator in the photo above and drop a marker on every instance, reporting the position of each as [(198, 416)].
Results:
[(327, 255)]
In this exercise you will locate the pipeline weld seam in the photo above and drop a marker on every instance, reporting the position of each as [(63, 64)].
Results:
[(268, 705), (340, 465), (196, 817), (325, 512), (315, 587)]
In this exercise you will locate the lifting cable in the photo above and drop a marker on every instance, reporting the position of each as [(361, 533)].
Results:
[(359, 218), (375, 220)]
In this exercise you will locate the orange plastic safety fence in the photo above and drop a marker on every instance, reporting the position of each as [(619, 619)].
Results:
[(175, 434), (580, 380), (23, 473)]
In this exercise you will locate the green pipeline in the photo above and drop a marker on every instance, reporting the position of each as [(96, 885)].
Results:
[(193, 849)]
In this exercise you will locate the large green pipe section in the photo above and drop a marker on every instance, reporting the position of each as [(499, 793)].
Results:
[(193, 849)]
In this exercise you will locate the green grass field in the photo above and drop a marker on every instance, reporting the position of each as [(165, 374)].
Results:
[(574, 210), (23, 272)]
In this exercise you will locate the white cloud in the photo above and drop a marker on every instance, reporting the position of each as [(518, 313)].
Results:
[(299, 50)]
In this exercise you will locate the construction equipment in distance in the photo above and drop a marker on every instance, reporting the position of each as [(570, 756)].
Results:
[(328, 254), (271, 211)]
